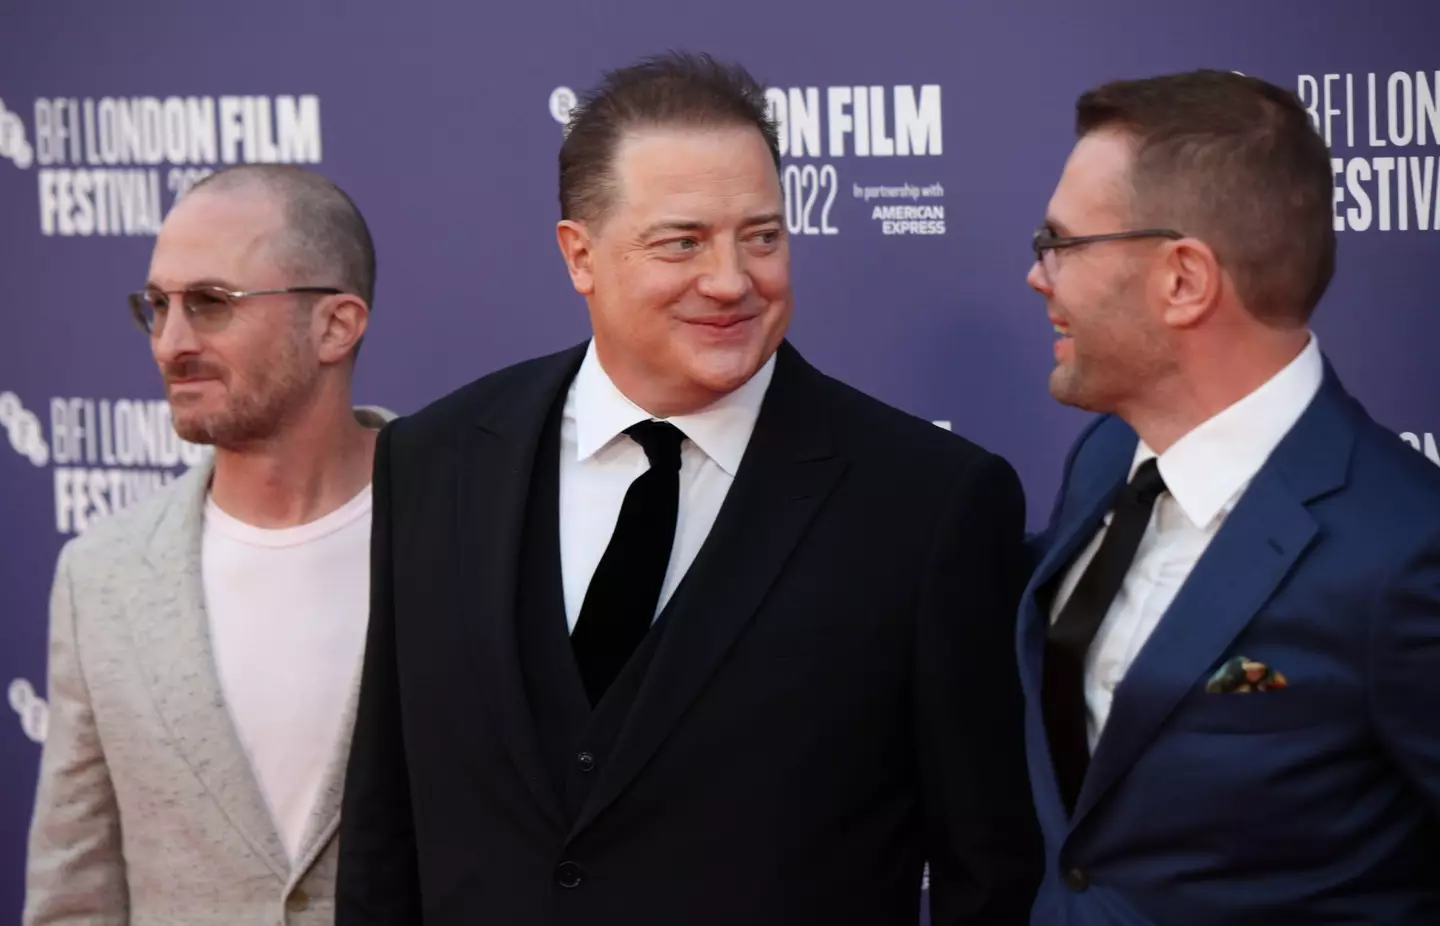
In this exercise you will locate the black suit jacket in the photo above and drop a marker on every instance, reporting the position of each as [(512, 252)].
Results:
[(834, 699)]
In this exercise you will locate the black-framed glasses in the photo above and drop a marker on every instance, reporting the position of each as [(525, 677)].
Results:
[(1045, 242), (207, 308)]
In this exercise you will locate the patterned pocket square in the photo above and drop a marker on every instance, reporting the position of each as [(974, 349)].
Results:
[(1243, 675)]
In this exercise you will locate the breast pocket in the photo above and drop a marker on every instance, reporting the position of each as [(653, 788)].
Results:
[(1292, 708)]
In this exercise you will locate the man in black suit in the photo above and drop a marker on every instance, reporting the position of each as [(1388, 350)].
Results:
[(669, 627)]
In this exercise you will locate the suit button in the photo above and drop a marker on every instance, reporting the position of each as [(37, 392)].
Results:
[(567, 874), (1076, 879), (587, 762), (297, 901)]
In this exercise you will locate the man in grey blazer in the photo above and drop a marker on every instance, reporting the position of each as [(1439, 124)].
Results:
[(205, 643)]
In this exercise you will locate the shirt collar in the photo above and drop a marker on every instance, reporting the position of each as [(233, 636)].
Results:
[(721, 430), (1206, 470)]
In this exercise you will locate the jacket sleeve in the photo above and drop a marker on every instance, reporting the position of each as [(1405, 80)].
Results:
[(1405, 686), (377, 878), (983, 840), (75, 867)]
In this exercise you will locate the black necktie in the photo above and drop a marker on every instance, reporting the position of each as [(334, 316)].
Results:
[(1069, 637), (620, 602)]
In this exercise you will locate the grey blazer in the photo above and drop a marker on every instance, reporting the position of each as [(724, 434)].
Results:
[(147, 812)]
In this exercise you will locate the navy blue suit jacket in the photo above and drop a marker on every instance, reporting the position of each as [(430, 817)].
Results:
[(1315, 803)]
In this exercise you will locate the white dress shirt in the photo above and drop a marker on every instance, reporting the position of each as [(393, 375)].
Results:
[(1205, 473), (598, 462), (287, 611)]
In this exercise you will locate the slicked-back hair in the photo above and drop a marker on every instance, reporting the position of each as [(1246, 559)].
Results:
[(671, 90)]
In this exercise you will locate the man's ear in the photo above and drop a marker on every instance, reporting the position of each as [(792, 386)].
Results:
[(578, 251), (340, 322), (1190, 281)]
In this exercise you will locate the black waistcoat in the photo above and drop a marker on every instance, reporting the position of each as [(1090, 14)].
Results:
[(575, 740)]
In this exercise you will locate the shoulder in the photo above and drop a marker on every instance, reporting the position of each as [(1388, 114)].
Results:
[(1386, 516), (881, 437), (1397, 486), (476, 399), (109, 553), (130, 528)]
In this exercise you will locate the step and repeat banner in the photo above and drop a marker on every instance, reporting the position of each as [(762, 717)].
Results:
[(921, 142)]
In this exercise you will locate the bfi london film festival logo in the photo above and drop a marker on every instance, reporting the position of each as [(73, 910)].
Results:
[(33, 711), (1384, 134), (26, 439), (14, 146), (877, 129), (113, 166), (104, 454)]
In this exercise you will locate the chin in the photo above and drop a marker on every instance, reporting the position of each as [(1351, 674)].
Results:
[(194, 429), (726, 371), (211, 427), (1063, 389), (1067, 392)]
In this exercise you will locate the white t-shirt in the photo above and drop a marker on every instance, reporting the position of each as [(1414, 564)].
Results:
[(287, 611)]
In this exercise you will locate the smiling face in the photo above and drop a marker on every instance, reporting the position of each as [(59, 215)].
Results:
[(687, 272), (1111, 341)]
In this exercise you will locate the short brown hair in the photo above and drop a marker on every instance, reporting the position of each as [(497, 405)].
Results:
[(674, 89), (1235, 161)]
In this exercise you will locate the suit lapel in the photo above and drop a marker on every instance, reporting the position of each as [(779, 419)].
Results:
[(171, 634), (324, 820), (788, 470), (1101, 481), (1259, 544), (497, 458)]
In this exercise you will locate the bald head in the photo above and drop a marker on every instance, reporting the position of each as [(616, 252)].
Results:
[(323, 239)]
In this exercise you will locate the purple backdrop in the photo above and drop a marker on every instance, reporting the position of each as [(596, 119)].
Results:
[(923, 142)]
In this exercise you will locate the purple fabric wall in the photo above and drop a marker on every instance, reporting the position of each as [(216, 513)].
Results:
[(923, 142)]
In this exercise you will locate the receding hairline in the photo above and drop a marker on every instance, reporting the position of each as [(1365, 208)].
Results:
[(607, 193), (674, 91), (318, 223), (275, 238), (1118, 190), (243, 184), (641, 128)]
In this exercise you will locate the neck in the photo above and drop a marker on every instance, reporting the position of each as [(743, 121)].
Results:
[(316, 462), (1213, 379)]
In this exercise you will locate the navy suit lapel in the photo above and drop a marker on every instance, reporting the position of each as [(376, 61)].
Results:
[(1094, 476), (1098, 480), (1259, 544)]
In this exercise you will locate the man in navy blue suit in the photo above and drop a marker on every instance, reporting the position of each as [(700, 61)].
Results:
[(1230, 648)]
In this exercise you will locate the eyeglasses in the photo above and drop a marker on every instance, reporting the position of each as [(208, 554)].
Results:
[(1045, 242), (207, 308)]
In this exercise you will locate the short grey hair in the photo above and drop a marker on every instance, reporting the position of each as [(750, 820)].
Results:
[(325, 241)]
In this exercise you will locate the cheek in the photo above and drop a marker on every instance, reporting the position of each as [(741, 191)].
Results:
[(771, 279), (1107, 309), (257, 367), (1115, 338), (640, 297)]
